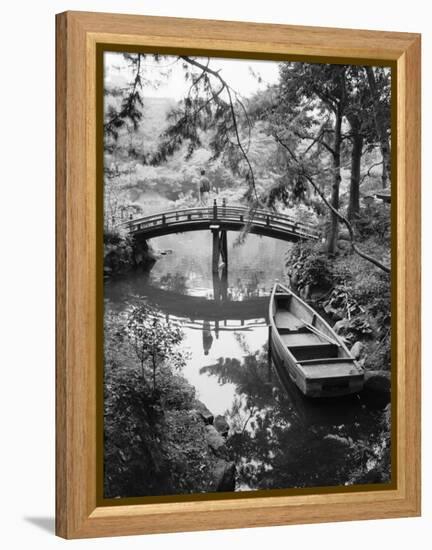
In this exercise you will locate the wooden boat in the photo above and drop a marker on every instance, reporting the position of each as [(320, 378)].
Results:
[(305, 348)]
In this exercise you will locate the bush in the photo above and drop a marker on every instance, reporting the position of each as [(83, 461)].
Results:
[(118, 252), (153, 442), (134, 462), (309, 266), (374, 222)]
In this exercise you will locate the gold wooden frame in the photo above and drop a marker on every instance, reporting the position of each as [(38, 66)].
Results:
[(78, 36)]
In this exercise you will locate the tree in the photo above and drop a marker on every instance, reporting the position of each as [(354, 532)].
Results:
[(358, 114), (340, 217), (368, 114), (131, 101), (356, 155), (379, 79), (153, 340), (210, 103), (304, 114), (326, 86)]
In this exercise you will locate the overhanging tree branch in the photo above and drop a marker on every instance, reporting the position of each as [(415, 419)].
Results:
[(216, 74), (128, 104), (340, 216)]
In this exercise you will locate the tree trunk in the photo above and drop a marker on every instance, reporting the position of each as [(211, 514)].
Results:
[(334, 201), (380, 127), (354, 192)]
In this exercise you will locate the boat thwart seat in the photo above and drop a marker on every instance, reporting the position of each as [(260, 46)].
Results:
[(315, 351)]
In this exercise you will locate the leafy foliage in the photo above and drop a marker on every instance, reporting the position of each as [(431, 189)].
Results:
[(153, 442), (134, 461), (375, 222), (349, 292), (174, 281), (309, 267), (153, 339), (131, 101), (118, 252)]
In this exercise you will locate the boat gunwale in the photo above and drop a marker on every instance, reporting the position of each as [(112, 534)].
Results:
[(276, 334)]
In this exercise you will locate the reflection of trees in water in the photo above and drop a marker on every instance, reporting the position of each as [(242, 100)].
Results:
[(246, 375), (247, 288), (243, 343), (280, 441), (175, 282)]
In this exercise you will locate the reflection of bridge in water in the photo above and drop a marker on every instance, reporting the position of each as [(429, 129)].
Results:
[(216, 325), (229, 314), (207, 315)]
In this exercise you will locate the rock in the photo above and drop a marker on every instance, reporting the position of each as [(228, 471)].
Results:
[(318, 292), (221, 425), (378, 381), (214, 439), (203, 411), (306, 292), (357, 349), (339, 325), (224, 475)]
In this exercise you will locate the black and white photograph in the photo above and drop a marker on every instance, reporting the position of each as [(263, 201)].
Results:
[(247, 275)]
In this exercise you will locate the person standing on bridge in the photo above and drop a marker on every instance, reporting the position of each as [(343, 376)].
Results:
[(204, 188)]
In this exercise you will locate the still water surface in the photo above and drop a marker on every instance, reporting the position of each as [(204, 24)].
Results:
[(279, 439)]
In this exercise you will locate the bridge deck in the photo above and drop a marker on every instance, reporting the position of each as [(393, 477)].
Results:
[(233, 218)]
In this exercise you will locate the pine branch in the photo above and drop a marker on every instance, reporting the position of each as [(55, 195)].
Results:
[(126, 109), (233, 115), (336, 212)]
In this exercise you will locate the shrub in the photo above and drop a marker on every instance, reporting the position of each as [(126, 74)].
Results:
[(118, 252), (309, 265), (374, 222), (134, 462)]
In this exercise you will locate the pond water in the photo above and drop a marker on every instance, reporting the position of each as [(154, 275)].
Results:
[(279, 438)]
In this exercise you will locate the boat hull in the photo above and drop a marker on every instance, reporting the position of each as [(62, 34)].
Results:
[(333, 376)]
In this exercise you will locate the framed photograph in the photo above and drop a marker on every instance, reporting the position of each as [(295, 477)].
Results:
[(238, 274)]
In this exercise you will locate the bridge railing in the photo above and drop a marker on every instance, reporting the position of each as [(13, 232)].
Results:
[(222, 212), (221, 324)]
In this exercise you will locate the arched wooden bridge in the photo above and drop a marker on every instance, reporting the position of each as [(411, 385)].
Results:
[(222, 218)]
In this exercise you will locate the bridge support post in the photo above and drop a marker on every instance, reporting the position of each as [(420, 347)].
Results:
[(220, 250), (220, 263), (269, 355), (224, 248), (215, 252)]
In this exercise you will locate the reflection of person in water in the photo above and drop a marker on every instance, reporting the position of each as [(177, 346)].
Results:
[(207, 337)]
